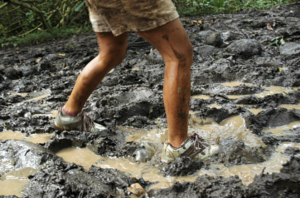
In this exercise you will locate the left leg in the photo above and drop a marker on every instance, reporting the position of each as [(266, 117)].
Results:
[(112, 51)]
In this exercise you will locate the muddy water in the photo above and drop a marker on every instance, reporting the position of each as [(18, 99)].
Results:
[(203, 97), (251, 109), (35, 138), (206, 128), (39, 138), (20, 94), (290, 106), (83, 157), (215, 106), (247, 172), (275, 90), (13, 183), (12, 187), (235, 83), (269, 90), (52, 114), (232, 127), (38, 98), (87, 158), (11, 135), (279, 131), (255, 111)]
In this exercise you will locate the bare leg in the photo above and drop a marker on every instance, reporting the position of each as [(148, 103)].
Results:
[(175, 47), (112, 51)]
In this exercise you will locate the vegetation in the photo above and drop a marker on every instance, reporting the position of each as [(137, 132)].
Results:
[(32, 21), (201, 7)]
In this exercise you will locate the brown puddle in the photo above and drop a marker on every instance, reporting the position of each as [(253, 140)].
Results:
[(279, 131), (83, 157), (52, 114), (290, 106), (203, 97), (270, 90), (215, 106), (38, 98), (158, 135), (12, 187), (87, 158), (11, 135), (20, 94), (231, 127), (255, 111), (34, 138), (245, 172), (252, 110), (14, 182), (39, 138), (235, 83)]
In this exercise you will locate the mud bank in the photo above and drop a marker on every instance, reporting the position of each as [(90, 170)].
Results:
[(245, 98)]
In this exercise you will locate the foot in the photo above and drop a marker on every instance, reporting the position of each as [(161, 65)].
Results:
[(79, 122), (193, 147)]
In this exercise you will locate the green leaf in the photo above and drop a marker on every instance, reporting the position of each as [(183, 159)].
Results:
[(78, 7), (282, 42)]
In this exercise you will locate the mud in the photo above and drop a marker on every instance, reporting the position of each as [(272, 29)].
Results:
[(245, 98)]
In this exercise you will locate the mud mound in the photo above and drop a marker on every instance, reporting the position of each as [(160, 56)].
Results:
[(282, 184), (245, 99)]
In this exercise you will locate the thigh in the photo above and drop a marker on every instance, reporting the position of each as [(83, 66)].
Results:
[(110, 44), (170, 40)]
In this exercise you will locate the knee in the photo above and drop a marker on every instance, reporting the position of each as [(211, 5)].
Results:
[(112, 56), (181, 54), (189, 51), (184, 55)]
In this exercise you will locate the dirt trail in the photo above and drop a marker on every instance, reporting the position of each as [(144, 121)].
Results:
[(245, 98)]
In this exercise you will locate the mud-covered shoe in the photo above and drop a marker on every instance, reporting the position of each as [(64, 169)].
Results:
[(80, 122), (193, 147)]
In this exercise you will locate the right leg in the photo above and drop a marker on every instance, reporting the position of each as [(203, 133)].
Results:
[(175, 47), (112, 51)]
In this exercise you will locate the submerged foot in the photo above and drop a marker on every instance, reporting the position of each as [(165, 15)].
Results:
[(193, 147), (79, 122)]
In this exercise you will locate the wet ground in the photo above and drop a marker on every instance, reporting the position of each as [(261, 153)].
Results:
[(245, 98)]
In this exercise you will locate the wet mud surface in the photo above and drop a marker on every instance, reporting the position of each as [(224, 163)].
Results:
[(245, 98)]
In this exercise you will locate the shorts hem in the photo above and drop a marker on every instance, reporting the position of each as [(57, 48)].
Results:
[(121, 30)]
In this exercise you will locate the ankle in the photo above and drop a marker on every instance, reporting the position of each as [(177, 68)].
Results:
[(177, 142), (68, 113)]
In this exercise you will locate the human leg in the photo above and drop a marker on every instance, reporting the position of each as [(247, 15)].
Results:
[(112, 51), (175, 47)]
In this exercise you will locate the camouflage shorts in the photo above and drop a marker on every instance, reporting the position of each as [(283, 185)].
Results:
[(119, 16)]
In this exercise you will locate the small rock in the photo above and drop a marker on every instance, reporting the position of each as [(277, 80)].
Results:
[(45, 65), (27, 115), (204, 34), (28, 70), (206, 50), (290, 49), (228, 36), (2, 68), (267, 62), (214, 39), (53, 57), (11, 73), (291, 151), (245, 47), (136, 189)]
